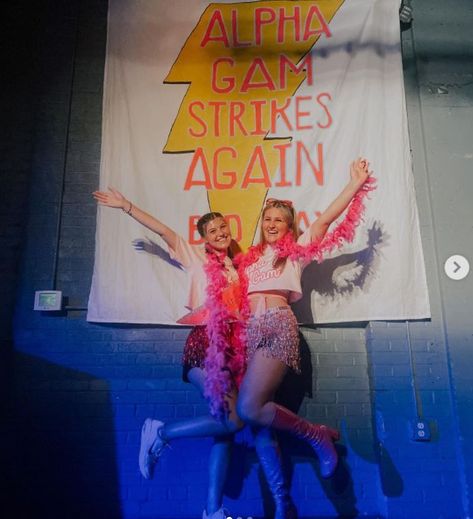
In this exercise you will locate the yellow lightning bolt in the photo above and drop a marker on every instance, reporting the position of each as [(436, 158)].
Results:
[(196, 64)]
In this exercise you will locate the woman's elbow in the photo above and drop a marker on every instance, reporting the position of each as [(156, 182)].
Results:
[(234, 424)]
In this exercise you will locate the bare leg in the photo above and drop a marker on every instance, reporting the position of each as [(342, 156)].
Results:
[(203, 426), (263, 376), (156, 436), (220, 452), (255, 406)]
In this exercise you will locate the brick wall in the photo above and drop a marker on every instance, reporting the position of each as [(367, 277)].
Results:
[(17, 106), (17, 109)]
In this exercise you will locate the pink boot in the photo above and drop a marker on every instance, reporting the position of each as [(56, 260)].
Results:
[(320, 437)]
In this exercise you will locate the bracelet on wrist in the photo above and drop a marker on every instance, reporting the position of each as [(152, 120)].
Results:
[(128, 211)]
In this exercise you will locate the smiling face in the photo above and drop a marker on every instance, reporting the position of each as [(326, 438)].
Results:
[(274, 224), (217, 234)]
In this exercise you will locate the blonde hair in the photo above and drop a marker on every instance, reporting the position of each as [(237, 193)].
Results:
[(289, 216)]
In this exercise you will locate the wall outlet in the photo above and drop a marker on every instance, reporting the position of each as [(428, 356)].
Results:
[(420, 430)]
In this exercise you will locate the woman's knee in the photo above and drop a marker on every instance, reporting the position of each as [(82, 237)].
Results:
[(249, 411), (234, 424)]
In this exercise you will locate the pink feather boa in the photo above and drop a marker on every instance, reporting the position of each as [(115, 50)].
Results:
[(287, 247), (226, 355)]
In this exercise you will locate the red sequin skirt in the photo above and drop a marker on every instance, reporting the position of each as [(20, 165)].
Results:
[(195, 349)]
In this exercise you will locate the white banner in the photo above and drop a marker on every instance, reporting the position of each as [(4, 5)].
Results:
[(216, 106)]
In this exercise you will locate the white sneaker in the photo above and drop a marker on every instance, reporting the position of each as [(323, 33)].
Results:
[(147, 458), (221, 513)]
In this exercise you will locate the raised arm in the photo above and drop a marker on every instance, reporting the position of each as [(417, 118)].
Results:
[(359, 173), (113, 198)]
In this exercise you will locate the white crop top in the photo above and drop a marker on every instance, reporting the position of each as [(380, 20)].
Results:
[(262, 276)]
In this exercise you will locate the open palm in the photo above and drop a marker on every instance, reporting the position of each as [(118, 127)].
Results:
[(110, 198), (359, 170)]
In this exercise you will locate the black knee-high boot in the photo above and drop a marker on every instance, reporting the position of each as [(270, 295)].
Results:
[(269, 457)]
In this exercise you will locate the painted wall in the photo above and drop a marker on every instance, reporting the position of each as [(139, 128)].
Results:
[(80, 392)]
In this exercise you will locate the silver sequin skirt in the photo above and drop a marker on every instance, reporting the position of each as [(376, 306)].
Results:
[(277, 334)]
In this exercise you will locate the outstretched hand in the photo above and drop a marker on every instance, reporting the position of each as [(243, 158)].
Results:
[(359, 171), (113, 198), (110, 198)]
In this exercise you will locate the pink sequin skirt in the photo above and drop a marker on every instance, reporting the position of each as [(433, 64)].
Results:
[(277, 334)]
